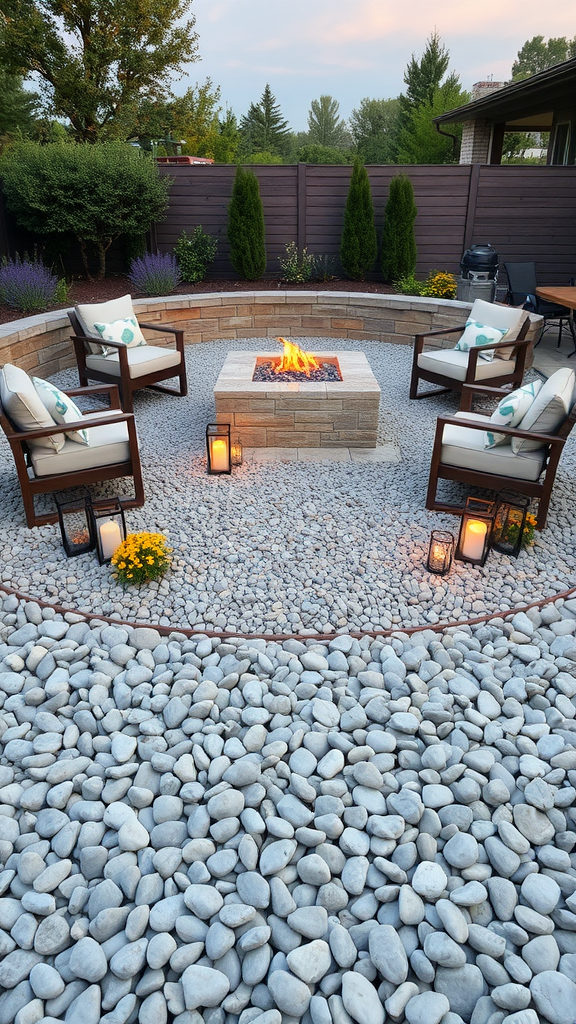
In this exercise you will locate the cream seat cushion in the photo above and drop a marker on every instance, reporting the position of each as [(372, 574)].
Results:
[(142, 360), (106, 312), (24, 407), (464, 447), (109, 444), (450, 363)]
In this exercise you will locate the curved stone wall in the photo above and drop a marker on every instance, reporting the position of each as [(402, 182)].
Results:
[(41, 344)]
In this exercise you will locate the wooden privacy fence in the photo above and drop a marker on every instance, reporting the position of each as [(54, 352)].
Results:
[(526, 213)]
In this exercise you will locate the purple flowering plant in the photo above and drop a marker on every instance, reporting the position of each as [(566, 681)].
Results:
[(155, 273), (28, 285)]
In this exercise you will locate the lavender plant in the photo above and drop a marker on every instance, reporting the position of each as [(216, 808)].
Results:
[(155, 273), (28, 285)]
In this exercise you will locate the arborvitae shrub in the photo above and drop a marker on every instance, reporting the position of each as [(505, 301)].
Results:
[(398, 242), (246, 227), (359, 246)]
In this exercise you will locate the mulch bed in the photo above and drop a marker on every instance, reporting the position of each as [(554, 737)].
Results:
[(112, 287)]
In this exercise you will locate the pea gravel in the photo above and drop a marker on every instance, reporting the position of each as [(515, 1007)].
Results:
[(289, 547)]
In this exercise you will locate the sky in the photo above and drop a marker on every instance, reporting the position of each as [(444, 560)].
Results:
[(350, 49)]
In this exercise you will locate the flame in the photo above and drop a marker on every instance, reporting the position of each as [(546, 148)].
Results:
[(293, 358)]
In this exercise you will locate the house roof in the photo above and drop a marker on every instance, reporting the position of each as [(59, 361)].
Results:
[(528, 104)]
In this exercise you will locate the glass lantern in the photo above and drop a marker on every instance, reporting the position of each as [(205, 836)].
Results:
[(475, 534), (218, 448), (76, 525), (109, 527), (236, 451), (440, 552), (509, 522)]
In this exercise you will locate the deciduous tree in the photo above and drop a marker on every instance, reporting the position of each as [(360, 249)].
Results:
[(95, 59), (537, 55), (325, 126), (374, 125)]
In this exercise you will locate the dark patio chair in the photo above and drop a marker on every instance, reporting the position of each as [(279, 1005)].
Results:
[(522, 285)]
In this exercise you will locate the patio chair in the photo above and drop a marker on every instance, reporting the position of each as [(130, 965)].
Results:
[(482, 355), (74, 450), (117, 352), (481, 451), (522, 286)]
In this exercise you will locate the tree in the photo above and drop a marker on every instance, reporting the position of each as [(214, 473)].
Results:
[(96, 59), (359, 246), (94, 192), (263, 128), (325, 127), (374, 125), (536, 55), (191, 119), (17, 108), (246, 232), (398, 242), (228, 139), (315, 154), (419, 142)]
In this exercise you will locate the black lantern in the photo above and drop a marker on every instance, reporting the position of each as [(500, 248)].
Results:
[(236, 451), (475, 531), (218, 448), (509, 522), (440, 552), (108, 525), (76, 524)]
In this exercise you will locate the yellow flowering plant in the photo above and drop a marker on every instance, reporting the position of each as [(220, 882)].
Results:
[(440, 285), (140, 558)]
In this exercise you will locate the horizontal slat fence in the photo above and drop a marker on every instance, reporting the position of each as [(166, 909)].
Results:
[(526, 213)]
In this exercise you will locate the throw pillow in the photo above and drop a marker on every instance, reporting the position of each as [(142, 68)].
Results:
[(24, 408), (476, 335), (61, 408), (510, 411), (548, 410), (104, 313), (123, 332)]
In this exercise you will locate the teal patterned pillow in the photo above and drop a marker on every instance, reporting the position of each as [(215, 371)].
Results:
[(123, 332), (476, 335), (510, 411), (61, 408)]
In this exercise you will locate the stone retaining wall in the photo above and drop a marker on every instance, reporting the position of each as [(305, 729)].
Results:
[(41, 344)]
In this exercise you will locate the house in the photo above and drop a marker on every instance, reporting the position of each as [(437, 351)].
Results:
[(545, 102)]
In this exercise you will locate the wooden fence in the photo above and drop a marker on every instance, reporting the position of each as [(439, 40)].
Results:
[(525, 212)]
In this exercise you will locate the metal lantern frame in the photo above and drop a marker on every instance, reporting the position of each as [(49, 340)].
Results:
[(107, 510), (76, 524), (440, 552), (218, 432), (509, 522), (481, 511)]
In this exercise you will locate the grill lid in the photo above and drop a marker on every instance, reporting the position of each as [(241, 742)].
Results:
[(480, 259)]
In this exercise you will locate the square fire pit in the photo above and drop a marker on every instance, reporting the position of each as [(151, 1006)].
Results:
[(303, 414)]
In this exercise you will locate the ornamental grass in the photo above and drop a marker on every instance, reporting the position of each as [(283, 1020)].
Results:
[(140, 558)]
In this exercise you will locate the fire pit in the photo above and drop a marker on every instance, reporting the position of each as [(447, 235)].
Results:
[(291, 407)]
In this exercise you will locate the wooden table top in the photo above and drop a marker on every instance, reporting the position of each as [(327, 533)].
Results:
[(564, 295)]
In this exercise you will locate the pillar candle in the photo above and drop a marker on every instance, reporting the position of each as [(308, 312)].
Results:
[(110, 537), (219, 452), (474, 537)]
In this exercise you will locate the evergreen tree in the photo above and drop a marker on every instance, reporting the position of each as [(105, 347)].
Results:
[(246, 226), (17, 108), (325, 127), (263, 128), (428, 94), (359, 246), (419, 142), (398, 242)]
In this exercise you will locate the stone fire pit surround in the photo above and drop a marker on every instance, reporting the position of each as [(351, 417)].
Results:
[(306, 414)]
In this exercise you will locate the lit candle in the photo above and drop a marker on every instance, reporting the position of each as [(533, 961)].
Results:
[(474, 538), (110, 537), (219, 452)]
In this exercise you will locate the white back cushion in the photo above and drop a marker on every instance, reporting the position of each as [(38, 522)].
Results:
[(106, 313), (23, 406), (493, 315), (548, 410)]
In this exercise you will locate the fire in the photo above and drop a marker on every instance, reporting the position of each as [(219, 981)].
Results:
[(293, 358)]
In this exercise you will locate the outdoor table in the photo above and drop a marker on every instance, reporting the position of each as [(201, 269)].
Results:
[(563, 295)]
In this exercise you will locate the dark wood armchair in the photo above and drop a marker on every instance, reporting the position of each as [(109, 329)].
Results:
[(459, 454), (112, 452), (131, 368)]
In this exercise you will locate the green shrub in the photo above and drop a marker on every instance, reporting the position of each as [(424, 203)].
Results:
[(358, 247), (297, 267), (93, 192), (398, 242), (407, 284), (246, 227), (325, 267), (195, 253)]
